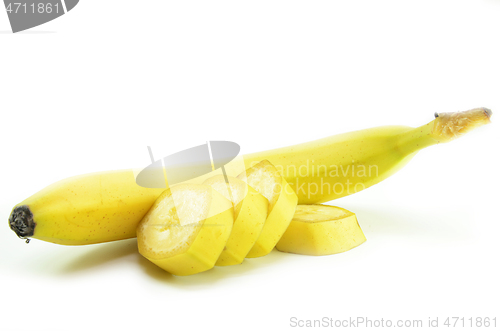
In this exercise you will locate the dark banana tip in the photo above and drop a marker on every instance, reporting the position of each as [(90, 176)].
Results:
[(21, 222)]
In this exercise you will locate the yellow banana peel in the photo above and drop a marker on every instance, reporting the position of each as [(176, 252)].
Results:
[(108, 206)]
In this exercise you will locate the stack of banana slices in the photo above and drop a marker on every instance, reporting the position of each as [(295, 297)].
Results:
[(194, 227)]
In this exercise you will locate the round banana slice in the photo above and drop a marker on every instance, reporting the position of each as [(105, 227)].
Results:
[(186, 229), (321, 230), (250, 213), (266, 180)]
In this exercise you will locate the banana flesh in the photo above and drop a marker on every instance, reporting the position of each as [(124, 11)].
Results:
[(186, 230), (321, 230), (266, 180), (250, 213)]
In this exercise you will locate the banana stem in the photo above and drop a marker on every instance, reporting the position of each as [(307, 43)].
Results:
[(449, 126), (444, 128)]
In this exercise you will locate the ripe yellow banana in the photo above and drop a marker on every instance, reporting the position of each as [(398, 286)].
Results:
[(344, 164), (85, 209), (321, 230), (108, 206)]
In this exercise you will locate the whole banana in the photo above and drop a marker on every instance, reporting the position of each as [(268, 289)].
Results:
[(108, 206), (344, 164)]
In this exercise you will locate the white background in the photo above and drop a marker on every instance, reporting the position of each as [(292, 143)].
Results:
[(90, 90)]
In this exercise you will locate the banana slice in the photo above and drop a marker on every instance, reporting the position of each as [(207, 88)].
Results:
[(266, 180), (186, 229), (321, 230), (250, 213)]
